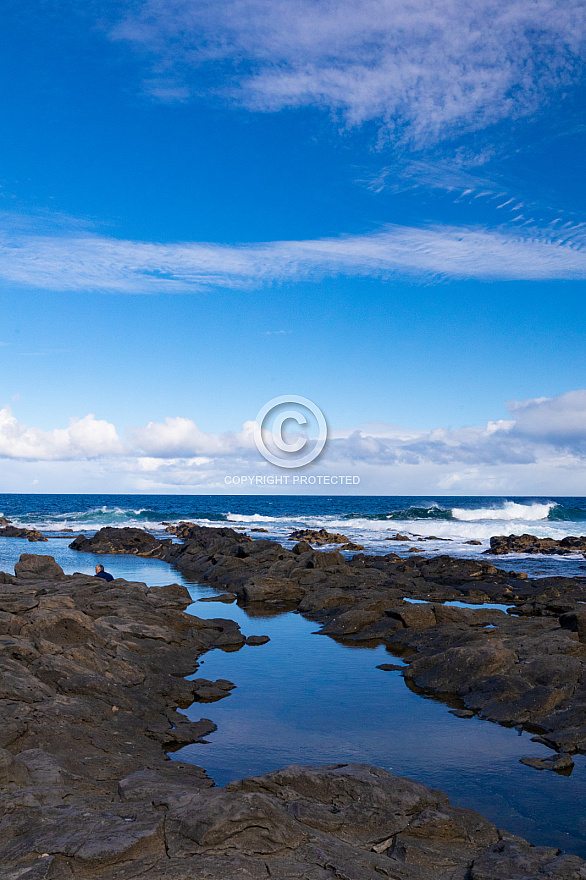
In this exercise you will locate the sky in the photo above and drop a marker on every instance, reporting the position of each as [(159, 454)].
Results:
[(377, 206)]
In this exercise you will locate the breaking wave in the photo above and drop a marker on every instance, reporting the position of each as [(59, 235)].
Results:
[(249, 517), (511, 510), (507, 511)]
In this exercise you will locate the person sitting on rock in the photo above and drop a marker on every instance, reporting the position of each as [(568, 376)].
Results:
[(105, 575)]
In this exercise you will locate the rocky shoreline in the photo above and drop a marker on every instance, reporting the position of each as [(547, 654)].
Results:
[(503, 544), (92, 673), (526, 668), (31, 535)]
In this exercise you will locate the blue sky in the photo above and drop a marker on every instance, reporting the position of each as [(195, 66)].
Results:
[(378, 206)]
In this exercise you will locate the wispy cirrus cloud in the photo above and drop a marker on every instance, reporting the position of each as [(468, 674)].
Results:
[(428, 69), (83, 261)]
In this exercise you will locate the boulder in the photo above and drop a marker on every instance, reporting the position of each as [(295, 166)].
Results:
[(355, 619), (263, 589), (32, 567), (501, 544), (257, 640), (414, 615), (318, 536), (575, 621), (206, 691), (127, 540), (460, 669)]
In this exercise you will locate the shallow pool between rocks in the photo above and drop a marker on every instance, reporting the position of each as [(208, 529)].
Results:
[(306, 699)]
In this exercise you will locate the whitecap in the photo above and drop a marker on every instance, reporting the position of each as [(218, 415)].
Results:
[(511, 510)]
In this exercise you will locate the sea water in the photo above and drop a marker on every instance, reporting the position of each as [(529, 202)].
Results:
[(370, 521)]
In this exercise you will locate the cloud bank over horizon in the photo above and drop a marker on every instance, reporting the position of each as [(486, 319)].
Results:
[(544, 440)]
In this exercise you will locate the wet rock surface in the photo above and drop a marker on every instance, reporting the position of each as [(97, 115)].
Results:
[(9, 531), (91, 673), (318, 536), (524, 668), (561, 763), (354, 548), (501, 544), (136, 542)]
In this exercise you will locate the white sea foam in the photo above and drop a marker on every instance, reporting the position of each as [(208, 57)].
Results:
[(90, 520), (510, 510), (452, 528), (253, 517)]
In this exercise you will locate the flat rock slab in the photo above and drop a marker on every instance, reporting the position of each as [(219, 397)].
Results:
[(351, 821), (561, 763), (257, 640)]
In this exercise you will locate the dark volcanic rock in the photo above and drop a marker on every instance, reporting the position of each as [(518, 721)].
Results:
[(350, 821), (14, 532), (91, 674), (575, 622), (89, 681), (558, 763), (525, 669), (209, 691), (318, 536), (181, 529), (32, 567), (227, 598), (127, 540), (355, 548), (501, 544), (257, 640)]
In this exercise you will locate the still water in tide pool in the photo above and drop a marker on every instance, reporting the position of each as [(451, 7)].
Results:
[(303, 698)]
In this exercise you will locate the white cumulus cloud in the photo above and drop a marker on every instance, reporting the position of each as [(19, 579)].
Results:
[(539, 450), (83, 438), (180, 437), (559, 420), (555, 425)]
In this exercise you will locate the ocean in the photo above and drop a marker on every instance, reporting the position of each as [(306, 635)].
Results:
[(367, 520)]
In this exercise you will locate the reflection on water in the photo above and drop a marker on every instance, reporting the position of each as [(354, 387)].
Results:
[(304, 698)]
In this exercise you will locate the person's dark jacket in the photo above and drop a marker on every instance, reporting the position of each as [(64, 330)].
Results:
[(105, 575)]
